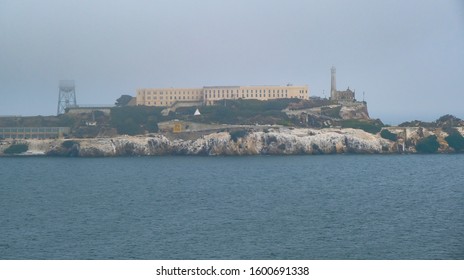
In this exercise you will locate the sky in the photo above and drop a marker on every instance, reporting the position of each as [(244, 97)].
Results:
[(406, 56)]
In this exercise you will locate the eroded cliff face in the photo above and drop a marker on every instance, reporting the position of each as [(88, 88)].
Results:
[(282, 141), (353, 111)]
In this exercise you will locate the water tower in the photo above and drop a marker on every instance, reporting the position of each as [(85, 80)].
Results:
[(67, 96)]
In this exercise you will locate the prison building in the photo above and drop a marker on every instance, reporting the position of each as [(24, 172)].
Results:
[(210, 95)]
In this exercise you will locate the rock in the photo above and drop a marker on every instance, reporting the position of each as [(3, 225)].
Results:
[(354, 110), (278, 141)]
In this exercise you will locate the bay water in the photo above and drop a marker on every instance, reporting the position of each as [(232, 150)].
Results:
[(257, 207)]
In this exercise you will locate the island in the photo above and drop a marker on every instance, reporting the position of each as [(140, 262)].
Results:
[(286, 126)]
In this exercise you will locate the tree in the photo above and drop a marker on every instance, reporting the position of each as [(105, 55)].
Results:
[(455, 141), (386, 134), (123, 100), (16, 149)]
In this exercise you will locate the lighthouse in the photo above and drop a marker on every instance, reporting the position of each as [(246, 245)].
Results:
[(333, 84)]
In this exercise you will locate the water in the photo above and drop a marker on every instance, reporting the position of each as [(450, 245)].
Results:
[(292, 207)]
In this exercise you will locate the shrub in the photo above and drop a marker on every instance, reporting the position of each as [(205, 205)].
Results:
[(68, 144), (386, 134), (244, 112), (428, 145), (16, 149), (455, 141), (368, 126), (238, 134), (331, 112), (133, 120)]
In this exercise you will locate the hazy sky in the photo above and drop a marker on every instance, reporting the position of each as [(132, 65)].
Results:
[(406, 55)]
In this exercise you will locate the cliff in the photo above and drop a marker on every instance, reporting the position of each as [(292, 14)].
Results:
[(281, 141), (274, 141)]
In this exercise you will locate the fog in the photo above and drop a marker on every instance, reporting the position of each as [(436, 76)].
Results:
[(407, 57)]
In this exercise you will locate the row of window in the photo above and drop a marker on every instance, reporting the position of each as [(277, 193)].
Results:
[(263, 95), (175, 97), (246, 91), (28, 129), (28, 136), (175, 92), (221, 91), (160, 103)]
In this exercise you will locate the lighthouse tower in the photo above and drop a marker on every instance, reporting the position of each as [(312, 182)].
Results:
[(333, 84)]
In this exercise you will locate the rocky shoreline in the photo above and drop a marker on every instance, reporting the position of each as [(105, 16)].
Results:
[(282, 141)]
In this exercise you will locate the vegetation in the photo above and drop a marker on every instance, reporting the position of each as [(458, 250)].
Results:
[(311, 103), (16, 149), (235, 135), (331, 112), (386, 134), (448, 121), (135, 120), (68, 144), (445, 122), (371, 126), (123, 100), (240, 112), (428, 145), (455, 141), (417, 123)]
